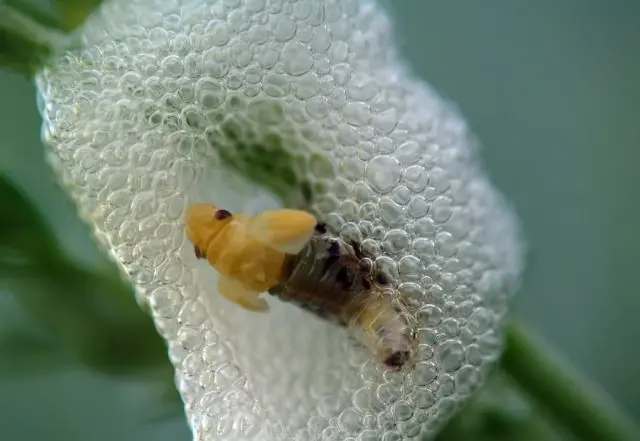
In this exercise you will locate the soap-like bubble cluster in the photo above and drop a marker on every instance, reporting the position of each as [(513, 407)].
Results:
[(171, 102)]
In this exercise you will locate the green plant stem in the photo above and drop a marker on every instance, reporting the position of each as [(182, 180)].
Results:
[(30, 33), (25, 43), (567, 398)]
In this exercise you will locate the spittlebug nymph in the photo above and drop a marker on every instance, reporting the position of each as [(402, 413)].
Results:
[(288, 254)]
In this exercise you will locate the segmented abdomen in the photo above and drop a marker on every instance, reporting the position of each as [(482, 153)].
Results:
[(326, 279), (331, 280)]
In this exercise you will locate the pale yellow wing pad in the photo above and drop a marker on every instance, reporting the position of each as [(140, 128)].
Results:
[(226, 251), (287, 231), (238, 294)]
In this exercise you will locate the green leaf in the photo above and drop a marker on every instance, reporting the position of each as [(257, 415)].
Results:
[(24, 353), (91, 315), (24, 235), (498, 413), (31, 34), (569, 400), (35, 11), (81, 316), (20, 54), (74, 12)]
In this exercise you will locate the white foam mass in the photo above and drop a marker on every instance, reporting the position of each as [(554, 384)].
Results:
[(171, 102)]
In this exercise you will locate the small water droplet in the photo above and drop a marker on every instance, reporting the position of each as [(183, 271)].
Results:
[(409, 152), (217, 32), (318, 107), (396, 241), (451, 355), (285, 29), (357, 114), (480, 321), (424, 373), (297, 58), (321, 40), (383, 173)]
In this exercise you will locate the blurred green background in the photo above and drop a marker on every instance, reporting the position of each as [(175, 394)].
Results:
[(551, 88)]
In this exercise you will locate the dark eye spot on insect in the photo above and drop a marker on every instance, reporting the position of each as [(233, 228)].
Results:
[(199, 253), (329, 261), (365, 265), (382, 279), (334, 249), (357, 249), (397, 359), (222, 214), (321, 227), (346, 277), (334, 255)]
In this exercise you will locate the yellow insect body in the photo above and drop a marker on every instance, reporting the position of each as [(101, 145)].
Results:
[(248, 252)]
